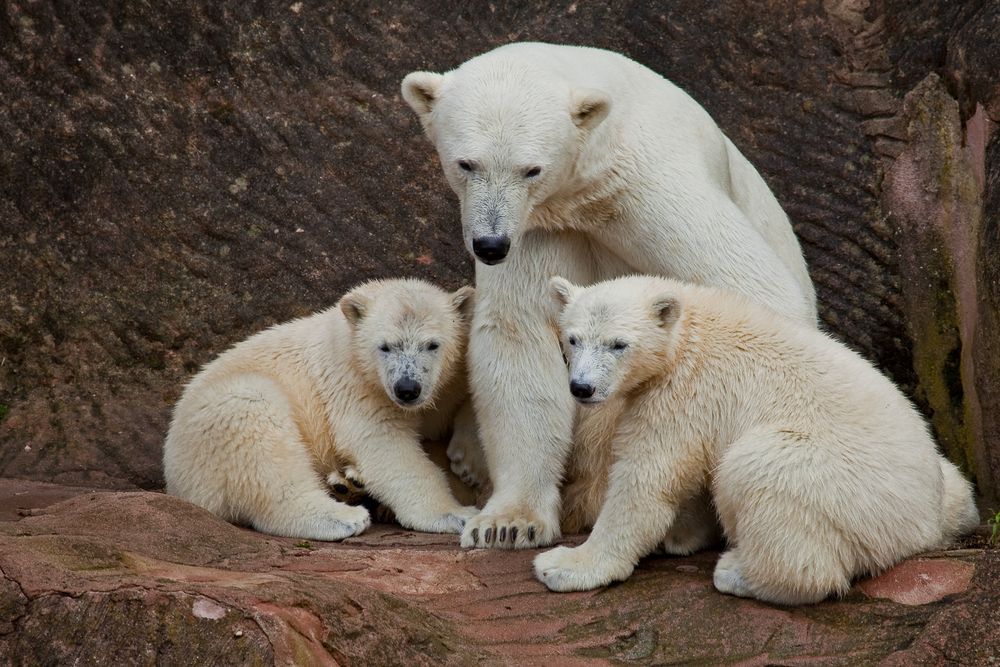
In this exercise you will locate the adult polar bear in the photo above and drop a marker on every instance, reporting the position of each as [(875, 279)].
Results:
[(580, 162)]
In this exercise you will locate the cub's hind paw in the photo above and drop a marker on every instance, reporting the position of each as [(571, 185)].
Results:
[(468, 462), (728, 577), (346, 486)]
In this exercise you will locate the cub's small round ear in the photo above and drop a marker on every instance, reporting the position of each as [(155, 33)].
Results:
[(589, 107), (666, 309), (562, 292), (464, 299), (420, 90), (354, 306)]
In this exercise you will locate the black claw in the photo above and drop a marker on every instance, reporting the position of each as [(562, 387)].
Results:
[(475, 536), (341, 489), (513, 535), (531, 533), (358, 483), (488, 536), (503, 535)]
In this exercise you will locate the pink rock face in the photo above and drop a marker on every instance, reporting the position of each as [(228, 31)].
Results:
[(921, 581), (86, 574)]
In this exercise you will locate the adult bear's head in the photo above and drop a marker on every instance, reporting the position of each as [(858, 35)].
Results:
[(508, 134)]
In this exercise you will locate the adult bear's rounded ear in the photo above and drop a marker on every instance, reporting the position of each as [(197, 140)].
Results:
[(562, 292), (354, 306), (420, 90), (666, 310), (464, 299), (588, 107)]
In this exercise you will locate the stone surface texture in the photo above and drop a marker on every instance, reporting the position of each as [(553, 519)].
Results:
[(151, 579)]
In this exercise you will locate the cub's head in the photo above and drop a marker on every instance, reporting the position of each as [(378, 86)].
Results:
[(615, 335), (508, 137), (408, 335)]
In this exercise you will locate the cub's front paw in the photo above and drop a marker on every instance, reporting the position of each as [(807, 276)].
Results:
[(466, 512), (449, 522), (454, 522), (565, 569), (502, 530), (347, 522)]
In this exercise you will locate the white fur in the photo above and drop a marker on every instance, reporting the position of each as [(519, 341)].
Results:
[(634, 177), (820, 469), (259, 430)]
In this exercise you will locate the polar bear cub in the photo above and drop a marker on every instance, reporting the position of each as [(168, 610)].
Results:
[(354, 387), (819, 468)]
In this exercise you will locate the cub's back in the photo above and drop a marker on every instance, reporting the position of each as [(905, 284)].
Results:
[(806, 371)]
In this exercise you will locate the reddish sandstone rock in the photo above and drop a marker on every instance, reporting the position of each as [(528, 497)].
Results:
[(146, 577), (920, 581)]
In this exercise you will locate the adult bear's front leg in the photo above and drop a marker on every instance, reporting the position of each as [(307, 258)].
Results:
[(520, 389)]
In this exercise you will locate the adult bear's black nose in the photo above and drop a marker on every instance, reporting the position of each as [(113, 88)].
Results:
[(581, 389), (407, 390), (491, 249)]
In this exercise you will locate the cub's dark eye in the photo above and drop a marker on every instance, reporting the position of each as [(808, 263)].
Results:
[(433, 346), (465, 165), (619, 345), (534, 171), (572, 341), (384, 347)]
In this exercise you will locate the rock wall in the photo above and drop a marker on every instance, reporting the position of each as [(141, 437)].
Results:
[(174, 176)]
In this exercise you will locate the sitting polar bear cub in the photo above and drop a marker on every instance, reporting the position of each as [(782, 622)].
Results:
[(820, 469), (354, 387)]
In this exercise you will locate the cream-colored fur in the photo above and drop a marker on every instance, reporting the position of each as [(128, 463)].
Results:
[(259, 431), (590, 166), (819, 468)]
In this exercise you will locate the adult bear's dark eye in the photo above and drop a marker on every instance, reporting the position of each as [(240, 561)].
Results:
[(384, 347), (465, 165), (433, 345), (572, 341), (534, 171), (619, 345)]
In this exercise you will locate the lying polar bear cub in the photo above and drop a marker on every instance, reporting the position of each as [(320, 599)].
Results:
[(353, 388), (819, 468)]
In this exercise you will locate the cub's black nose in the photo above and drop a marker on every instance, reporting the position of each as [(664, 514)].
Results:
[(581, 389), (407, 390), (491, 249)]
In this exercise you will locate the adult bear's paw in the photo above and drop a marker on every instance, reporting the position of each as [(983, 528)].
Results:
[(508, 530)]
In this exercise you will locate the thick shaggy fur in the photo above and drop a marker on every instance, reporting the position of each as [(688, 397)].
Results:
[(259, 430), (591, 166), (820, 469)]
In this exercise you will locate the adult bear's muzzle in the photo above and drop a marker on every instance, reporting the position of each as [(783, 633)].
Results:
[(491, 249)]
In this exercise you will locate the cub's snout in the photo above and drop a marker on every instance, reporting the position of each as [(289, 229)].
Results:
[(582, 391), (407, 390)]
